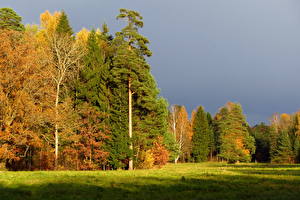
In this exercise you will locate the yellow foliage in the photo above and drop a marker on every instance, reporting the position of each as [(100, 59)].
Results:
[(82, 37), (147, 160), (48, 25), (285, 117), (98, 31), (49, 21), (240, 144)]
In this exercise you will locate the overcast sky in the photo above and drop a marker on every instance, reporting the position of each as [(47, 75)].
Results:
[(206, 52)]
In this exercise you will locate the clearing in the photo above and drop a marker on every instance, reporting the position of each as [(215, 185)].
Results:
[(182, 181)]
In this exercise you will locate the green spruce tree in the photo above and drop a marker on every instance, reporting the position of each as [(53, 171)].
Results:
[(284, 153), (94, 78), (261, 133), (273, 138), (296, 148), (201, 139), (235, 142), (212, 141), (63, 26)]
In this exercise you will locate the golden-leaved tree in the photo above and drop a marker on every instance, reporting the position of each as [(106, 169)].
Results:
[(180, 127), (24, 95)]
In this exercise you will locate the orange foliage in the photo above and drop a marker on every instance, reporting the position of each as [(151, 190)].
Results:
[(160, 153), (85, 151), (22, 95)]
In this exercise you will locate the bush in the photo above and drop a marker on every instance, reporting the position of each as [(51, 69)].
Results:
[(2, 166), (147, 160), (160, 153)]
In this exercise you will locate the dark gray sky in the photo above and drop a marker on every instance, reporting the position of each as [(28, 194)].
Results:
[(206, 52)]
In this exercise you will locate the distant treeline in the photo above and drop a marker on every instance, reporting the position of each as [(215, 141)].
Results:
[(228, 137), (88, 101)]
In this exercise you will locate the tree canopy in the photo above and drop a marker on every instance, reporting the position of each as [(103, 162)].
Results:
[(9, 19)]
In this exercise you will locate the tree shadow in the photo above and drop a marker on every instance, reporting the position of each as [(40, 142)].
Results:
[(208, 187), (284, 172), (261, 165)]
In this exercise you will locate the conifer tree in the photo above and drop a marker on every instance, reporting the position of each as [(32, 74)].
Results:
[(201, 136), (63, 26), (212, 139), (284, 153), (296, 137), (235, 142), (9, 19), (296, 148), (273, 141), (92, 86), (119, 141), (261, 133), (147, 113)]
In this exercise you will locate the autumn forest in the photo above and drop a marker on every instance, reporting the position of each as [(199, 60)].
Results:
[(88, 101)]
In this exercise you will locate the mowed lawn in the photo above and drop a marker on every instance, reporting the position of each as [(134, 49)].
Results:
[(181, 181)]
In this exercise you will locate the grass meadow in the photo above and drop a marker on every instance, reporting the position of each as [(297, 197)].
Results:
[(182, 181)]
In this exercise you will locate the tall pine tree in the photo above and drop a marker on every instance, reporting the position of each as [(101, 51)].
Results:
[(9, 19), (146, 114)]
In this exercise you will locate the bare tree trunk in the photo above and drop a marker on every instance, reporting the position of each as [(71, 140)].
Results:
[(56, 125), (77, 158), (174, 129), (174, 121), (130, 167), (41, 159), (90, 158), (176, 159)]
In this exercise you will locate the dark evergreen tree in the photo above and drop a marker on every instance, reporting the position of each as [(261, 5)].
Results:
[(212, 142), (296, 148), (171, 145), (201, 136), (261, 133), (273, 136), (235, 142), (295, 136), (284, 153), (119, 141), (95, 76), (94, 87), (63, 26), (9, 19)]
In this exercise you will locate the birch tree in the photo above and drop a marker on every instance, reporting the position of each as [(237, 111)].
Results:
[(180, 126), (64, 60)]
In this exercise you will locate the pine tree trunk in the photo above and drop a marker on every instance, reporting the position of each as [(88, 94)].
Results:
[(56, 125), (130, 167)]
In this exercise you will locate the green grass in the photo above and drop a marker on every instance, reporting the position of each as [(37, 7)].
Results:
[(182, 181)]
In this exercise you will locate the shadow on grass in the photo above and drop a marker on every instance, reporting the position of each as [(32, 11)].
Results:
[(208, 187), (284, 172), (286, 166)]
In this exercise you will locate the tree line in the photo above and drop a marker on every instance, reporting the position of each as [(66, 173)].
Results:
[(228, 137), (88, 101)]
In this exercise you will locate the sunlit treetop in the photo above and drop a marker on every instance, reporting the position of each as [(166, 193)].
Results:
[(9, 19)]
